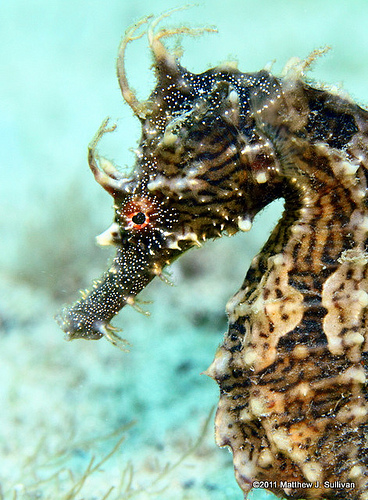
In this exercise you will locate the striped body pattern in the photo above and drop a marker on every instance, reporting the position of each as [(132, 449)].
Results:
[(216, 148)]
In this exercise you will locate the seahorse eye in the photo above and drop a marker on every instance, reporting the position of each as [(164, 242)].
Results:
[(139, 218)]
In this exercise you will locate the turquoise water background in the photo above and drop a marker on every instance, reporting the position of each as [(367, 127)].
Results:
[(60, 400)]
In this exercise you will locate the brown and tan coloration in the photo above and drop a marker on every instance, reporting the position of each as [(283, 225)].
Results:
[(215, 149)]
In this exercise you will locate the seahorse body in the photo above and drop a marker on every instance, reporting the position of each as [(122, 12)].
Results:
[(216, 148)]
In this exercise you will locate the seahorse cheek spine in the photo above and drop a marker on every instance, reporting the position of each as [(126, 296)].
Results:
[(215, 149)]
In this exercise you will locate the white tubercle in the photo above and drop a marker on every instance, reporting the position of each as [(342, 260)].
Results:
[(109, 236), (244, 224)]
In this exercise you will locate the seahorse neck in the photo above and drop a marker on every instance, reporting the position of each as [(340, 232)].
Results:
[(324, 208)]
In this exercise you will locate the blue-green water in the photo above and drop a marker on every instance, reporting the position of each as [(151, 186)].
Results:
[(57, 398)]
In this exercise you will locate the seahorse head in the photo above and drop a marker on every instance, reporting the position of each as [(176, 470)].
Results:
[(201, 169), (200, 154)]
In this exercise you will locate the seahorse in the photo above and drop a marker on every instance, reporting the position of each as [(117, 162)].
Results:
[(216, 148)]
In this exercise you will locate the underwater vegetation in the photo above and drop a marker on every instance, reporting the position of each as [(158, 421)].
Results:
[(216, 148), (60, 475)]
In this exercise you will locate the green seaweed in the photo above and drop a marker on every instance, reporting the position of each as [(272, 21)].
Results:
[(63, 483)]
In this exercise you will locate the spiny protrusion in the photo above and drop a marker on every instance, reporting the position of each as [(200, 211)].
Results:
[(109, 237), (109, 177), (131, 301), (160, 53), (111, 334), (295, 68), (127, 92), (164, 277), (232, 112)]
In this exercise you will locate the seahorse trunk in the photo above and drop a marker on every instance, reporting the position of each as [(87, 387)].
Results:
[(291, 368)]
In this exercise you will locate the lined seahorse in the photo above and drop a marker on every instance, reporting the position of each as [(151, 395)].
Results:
[(216, 148)]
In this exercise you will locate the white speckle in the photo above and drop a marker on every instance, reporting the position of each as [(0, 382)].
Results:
[(304, 212), (257, 407), (261, 177), (297, 229), (360, 193), (219, 365), (173, 245), (265, 458), (268, 66), (349, 168), (245, 415), (354, 338), (362, 298), (354, 255), (354, 375), (233, 97), (359, 412), (290, 67), (169, 139), (130, 301), (303, 389), (278, 259), (250, 149), (282, 440), (250, 357), (355, 472), (231, 150), (244, 223), (180, 184), (232, 304), (312, 471), (364, 224), (155, 184), (300, 351), (335, 345)]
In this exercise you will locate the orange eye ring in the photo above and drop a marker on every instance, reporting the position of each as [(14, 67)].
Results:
[(139, 213), (145, 221)]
